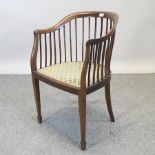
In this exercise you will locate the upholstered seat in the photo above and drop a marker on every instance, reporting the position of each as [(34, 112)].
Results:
[(69, 73)]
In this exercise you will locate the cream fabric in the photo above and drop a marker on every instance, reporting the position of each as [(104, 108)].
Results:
[(69, 73)]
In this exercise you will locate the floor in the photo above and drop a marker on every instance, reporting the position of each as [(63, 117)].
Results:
[(133, 133)]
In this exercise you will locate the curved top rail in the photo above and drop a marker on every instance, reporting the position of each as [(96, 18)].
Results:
[(104, 14)]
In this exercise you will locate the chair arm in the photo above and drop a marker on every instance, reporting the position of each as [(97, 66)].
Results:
[(107, 39), (56, 26), (33, 60), (85, 66)]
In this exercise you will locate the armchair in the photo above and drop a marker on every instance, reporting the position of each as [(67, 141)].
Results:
[(74, 55)]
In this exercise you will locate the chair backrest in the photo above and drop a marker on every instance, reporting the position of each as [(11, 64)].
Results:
[(66, 41)]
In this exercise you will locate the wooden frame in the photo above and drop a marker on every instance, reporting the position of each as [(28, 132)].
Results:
[(97, 50)]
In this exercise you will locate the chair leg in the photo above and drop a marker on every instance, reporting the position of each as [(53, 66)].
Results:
[(82, 114), (108, 101), (37, 98)]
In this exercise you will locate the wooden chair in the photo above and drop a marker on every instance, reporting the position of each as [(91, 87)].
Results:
[(74, 55)]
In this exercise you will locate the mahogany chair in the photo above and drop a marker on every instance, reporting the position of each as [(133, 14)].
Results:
[(74, 55)]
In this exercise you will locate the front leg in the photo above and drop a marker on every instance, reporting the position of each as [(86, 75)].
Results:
[(37, 98), (82, 114)]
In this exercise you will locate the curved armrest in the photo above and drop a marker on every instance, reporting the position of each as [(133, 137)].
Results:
[(58, 25), (109, 37)]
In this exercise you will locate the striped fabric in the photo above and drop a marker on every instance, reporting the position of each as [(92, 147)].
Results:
[(69, 73)]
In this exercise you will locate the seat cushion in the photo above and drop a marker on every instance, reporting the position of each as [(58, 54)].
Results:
[(68, 73)]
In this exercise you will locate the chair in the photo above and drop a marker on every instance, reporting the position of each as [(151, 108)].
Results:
[(74, 55)]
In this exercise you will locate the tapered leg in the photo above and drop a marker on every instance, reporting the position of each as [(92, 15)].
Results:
[(37, 98), (108, 101), (82, 114)]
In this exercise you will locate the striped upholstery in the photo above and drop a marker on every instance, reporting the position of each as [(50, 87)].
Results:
[(69, 73)]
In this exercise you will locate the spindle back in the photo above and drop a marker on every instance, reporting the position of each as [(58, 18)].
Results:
[(81, 36)]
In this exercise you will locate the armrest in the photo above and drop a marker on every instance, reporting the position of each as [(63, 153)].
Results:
[(56, 26), (37, 35), (107, 42)]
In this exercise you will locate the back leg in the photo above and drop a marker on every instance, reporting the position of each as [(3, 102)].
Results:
[(108, 101), (37, 98)]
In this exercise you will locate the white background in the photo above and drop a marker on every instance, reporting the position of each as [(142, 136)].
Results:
[(134, 49)]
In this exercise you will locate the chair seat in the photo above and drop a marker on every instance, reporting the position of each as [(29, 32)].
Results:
[(69, 73)]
